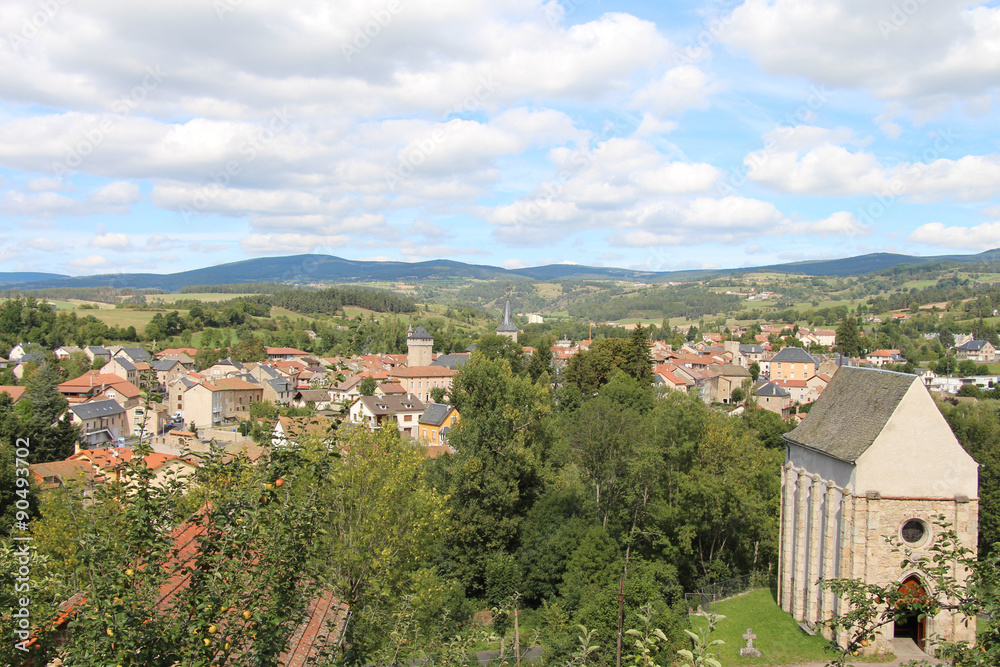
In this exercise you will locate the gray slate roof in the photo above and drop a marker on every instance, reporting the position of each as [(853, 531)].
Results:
[(390, 405), (125, 363), (163, 364), (136, 353), (96, 409), (421, 333), (973, 345), (451, 361), (773, 390), (751, 349), (507, 323), (435, 414), (794, 355), (280, 386), (852, 411)]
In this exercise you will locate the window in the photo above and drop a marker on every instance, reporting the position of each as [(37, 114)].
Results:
[(914, 532)]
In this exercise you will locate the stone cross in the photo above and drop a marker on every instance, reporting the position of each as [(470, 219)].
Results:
[(749, 651)]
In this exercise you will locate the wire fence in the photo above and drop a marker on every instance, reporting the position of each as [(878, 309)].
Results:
[(708, 595)]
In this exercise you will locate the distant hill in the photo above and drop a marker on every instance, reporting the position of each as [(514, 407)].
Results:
[(27, 276), (305, 269)]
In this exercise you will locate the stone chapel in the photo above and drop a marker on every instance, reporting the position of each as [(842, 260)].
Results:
[(874, 458)]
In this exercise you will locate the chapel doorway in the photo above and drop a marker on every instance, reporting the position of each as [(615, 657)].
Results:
[(910, 625)]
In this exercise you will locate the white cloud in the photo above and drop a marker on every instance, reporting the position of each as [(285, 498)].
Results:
[(985, 236), (115, 198), (88, 263), (927, 59), (44, 244), (290, 244), (679, 89), (515, 264)]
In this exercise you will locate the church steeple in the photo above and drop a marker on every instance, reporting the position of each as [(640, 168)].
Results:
[(507, 327)]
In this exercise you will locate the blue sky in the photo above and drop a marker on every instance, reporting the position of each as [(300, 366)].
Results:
[(661, 135)]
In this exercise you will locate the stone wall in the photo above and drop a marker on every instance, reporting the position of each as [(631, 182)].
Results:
[(829, 532)]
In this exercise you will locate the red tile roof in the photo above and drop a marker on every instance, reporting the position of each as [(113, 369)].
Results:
[(13, 391)]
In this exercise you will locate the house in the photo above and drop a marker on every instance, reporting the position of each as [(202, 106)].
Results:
[(822, 337), (64, 351), (419, 380), (750, 354), (14, 391), (286, 353), (95, 352), (980, 351), (452, 361), (99, 421), (57, 474), (187, 361), (436, 423), (278, 390), (177, 353), (317, 398), (318, 635), (123, 368), (376, 411), (293, 429), (175, 393), (22, 350), (880, 358), (92, 383), (867, 469), (348, 390), (134, 354), (775, 398), (792, 363), (165, 371), (109, 463), (389, 389), (223, 369), (719, 389), (664, 376), (210, 403)]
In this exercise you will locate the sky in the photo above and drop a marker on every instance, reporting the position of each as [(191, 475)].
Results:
[(162, 137)]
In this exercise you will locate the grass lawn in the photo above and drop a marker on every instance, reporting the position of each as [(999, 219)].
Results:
[(779, 637)]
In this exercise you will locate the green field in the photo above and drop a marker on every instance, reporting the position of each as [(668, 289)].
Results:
[(125, 317), (779, 637), (198, 296)]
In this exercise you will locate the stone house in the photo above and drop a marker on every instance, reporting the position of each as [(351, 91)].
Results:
[(377, 411), (792, 363), (99, 421), (868, 468)]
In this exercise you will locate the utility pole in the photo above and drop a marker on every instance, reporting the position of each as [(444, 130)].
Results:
[(621, 611)]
